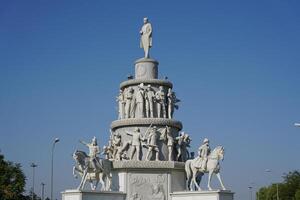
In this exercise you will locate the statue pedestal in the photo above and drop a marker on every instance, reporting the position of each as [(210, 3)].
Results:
[(203, 195), (146, 68), (92, 195), (148, 180)]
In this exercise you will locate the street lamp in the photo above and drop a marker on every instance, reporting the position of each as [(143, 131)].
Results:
[(56, 140), (33, 165), (297, 124), (43, 190), (250, 191), (277, 192)]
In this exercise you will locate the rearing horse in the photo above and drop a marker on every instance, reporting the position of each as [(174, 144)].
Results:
[(87, 172), (194, 173)]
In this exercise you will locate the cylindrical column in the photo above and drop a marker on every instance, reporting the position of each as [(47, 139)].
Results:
[(146, 68)]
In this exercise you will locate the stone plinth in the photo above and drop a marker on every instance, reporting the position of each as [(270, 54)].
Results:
[(148, 179), (203, 195), (146, 68), (92, 195)]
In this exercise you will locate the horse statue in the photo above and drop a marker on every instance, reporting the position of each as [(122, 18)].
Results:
[(194, 173), (84, 169)]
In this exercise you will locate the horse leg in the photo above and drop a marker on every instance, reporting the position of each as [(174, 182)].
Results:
[(221, 182), (209, 179), (199, 178), (102, 182), (83, 179), (194, 179)]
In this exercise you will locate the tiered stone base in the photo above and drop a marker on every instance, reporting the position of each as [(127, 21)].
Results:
[(92, 195), (203, 195)]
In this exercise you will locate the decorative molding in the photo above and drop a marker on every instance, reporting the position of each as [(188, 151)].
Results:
[(146, 121), (135, 164), (146, 81)]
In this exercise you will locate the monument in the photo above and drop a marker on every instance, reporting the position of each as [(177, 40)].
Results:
[(147, 155)]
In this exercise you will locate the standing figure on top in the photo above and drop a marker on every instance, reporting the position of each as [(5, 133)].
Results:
[(149, 97), (146, 37), (128, 97), (160, 98), (121, 102), (139, 97), (172, 100), (94, 151)]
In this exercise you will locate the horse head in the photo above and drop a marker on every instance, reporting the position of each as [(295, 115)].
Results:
[(79, 157), (218, 153)]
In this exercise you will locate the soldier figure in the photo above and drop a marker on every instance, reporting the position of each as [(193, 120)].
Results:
[(94, 151), (121, 102), (172, 100), (128, 97), (149, 96), (135, 143), (170, 143), (203, 152), (116, 145), (160, 98), (139, 96), (152, 144)]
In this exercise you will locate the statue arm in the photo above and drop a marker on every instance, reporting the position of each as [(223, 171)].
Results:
[(84, 143)]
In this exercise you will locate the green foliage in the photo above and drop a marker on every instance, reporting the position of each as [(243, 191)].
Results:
[(12, 180), (289, 189)]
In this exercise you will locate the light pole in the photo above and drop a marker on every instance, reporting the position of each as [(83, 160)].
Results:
[(56, 140), (250, 192), (33, 165), (297, 124), (43, 190), (277, 191)]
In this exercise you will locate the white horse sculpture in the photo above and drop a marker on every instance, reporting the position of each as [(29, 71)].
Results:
[(194, 173), (87, 172)]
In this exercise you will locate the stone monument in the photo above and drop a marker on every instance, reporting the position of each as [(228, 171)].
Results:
[(147, 156)]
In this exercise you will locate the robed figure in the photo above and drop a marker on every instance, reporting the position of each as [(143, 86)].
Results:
[(146, 37)]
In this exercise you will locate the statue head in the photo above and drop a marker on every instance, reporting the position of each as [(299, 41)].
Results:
[(136, 129), (140, 86), (94, 141), (145, 20), (161, 88), (205, 141), (149, 87)]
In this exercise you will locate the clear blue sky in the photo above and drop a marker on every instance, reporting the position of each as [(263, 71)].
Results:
[(234, 65)]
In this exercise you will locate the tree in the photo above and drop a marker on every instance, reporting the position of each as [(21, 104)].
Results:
[(12, 180), (289, 189)]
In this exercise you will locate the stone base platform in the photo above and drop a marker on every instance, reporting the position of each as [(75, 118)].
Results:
[(203, 195), (92, 195)]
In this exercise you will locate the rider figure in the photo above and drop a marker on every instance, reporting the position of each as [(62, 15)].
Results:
[(94, 150), (204, 151)]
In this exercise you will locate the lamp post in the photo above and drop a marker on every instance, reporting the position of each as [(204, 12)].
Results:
[(250, 192), (33, 165), (277, 191), (56, 140), (297, 124), (43, 190)]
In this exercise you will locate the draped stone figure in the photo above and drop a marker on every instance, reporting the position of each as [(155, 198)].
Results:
[(152, 143), (172, 100), (135, 143), (140, 101), (149, 97), (146, 37), (121, 103), (128, 97), (160, 98)]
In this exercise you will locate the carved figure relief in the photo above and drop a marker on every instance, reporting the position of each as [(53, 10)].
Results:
[(160, 99), (149, 97)]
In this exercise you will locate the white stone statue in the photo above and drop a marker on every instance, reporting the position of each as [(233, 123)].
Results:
[(128, 96), (140, 101), (146, 37), (121, 103), (172, 100), (167, 136), (149, 97), (194, 171), (135, 143), (203, 152), (152, 139), (102, 172), (160, 98), (94, 151), (116, 146), (183, 141)]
